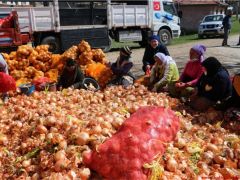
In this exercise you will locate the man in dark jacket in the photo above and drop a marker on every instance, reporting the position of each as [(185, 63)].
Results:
[(152, 48), (227, 24), (71, 76)]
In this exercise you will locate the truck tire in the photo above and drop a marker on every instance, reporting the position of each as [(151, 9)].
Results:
[(54, 44), (165, 36)]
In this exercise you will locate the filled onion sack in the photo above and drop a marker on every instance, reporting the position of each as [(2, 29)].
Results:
[(7, 83), (140, 139)]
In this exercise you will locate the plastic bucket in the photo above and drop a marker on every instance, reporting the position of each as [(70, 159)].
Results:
[(88, 81), (27, 89)]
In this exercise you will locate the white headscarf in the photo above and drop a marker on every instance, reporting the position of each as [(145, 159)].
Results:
[(165, 59)]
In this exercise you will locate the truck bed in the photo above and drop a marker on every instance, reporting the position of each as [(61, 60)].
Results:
[(34, 19), (128, 16)]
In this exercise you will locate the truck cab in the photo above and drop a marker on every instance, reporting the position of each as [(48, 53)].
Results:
[(137, 20), (166, 22)]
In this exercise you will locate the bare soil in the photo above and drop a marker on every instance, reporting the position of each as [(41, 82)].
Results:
[(228, 56)]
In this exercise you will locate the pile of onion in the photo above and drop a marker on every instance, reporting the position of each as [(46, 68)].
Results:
[(44, 136)]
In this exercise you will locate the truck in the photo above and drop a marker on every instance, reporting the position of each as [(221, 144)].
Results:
[(63, 23)]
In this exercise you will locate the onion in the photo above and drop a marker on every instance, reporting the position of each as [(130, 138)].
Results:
[(96, 130), (219, 159), (62, 144), (3, 139), (72, 174), (85, 173), (208, 156), (82, 138), (41, 129), (181, 143), (50, 136), (60, 165), (50, 120), (60, 155), (35, 176), (217, 175), (172, 164), (26, 163), (212, 147), (117, 122)]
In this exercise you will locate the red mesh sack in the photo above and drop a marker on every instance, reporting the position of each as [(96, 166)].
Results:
[(7, 83), (40, 83), (137, 142), (6, 22)]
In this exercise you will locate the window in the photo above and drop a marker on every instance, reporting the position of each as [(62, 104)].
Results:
[(213, 18), (100, 5), (74, 5), (3, 15), (169, 7)]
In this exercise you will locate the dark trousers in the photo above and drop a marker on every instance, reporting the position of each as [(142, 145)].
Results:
[(225, 36)]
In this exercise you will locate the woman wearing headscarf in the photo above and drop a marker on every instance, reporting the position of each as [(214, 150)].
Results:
[(122, 68), (152, 48), (3, 69), (213, 86), (164, 72), (191, 73), (71, 76)]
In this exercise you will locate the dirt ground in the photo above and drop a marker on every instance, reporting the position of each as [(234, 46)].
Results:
[(228, 56)]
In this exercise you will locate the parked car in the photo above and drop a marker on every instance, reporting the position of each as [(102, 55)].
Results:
[(211, 25)]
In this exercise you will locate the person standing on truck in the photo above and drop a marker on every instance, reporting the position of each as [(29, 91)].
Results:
[(152, 48), (227, 24)]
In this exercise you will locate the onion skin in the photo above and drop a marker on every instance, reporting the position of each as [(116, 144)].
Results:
[(82, 138), (172, 164)]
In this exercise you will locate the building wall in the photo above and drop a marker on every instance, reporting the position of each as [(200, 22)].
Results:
[(193, 14)]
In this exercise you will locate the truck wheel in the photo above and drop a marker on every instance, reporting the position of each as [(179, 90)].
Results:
[(165, 36), (53, 42)]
